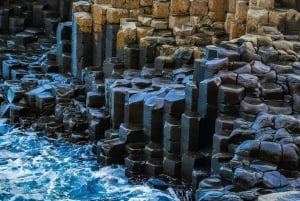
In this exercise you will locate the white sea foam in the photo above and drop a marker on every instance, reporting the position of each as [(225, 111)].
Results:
[(34, 168)]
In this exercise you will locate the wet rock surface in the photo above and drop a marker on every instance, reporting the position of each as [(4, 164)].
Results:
[(141, 82)]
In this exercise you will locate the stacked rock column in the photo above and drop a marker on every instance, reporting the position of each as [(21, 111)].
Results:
[(119, 10), (132, 132), (64, 46), (81, 38), (153, 126), (235, 24), (99, 33), (174, 107), (127, 48), (258, 15), (179, 21), (4, 17), (190, 133)]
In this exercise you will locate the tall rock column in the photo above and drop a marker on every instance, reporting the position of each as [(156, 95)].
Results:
[(235, 24), (258, 15), (63, 54), (81, 38), (99, 32)]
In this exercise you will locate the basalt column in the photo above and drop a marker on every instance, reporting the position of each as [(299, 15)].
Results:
[(191, 133), (81, 42), (132, 132), (112, 27), (64, 49), (99, 33), (4, 16), (153, 126), (127, 49)]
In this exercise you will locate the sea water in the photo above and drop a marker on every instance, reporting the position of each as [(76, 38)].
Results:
[(35, 167)]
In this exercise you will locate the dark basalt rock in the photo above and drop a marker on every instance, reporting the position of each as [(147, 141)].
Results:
[(246, 179), (158, 183), (216, 196), (274, 180), (270, 151), (249, 148), (238, 118)]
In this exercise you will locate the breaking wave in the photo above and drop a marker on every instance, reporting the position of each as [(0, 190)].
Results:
[(34, 167)]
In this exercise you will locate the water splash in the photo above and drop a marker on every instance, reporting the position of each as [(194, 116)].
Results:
[(34, 168)]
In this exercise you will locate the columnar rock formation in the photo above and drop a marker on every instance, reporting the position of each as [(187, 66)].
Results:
[(203, 90), (169, 105)]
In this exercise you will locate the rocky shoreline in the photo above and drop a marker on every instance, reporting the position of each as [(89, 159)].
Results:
[(194, 90)]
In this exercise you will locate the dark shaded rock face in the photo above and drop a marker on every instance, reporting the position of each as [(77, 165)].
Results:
[(274, 180), (245, 179), (141, 81)]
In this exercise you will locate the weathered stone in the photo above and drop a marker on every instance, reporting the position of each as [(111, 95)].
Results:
[(136, 150), (191, 97), (287, 122), (274, 180), (95, 100), (226, 173), (98, 123), (190, 160), (134, 165), (249, 148), (248, 52), (220, 143), (111, 64), (292, 22), (172, 167), (45, 102), (216, 65), (271, 152), (153, 118), (160, 9), (211, 183), (8, 66), (290, 157), (218, 160), (199, 70), (272, 91), (114, 151), (208, 95), (256, 17), (179, 7), (283, 196), (174, 102), (153, 168), (127, 34), (133, 111), (224, 125), (114, 15), (190, 132), (249, 81), (239, 135), (263, 120), (246, 179), (118, 103), (199, 7), (230, 94), (159, 24), (153, 151), (268, 54)]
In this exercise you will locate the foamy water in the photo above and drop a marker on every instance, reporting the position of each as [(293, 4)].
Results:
[(33, 167)]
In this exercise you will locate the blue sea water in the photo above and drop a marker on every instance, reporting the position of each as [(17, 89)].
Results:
[(34, 167)]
